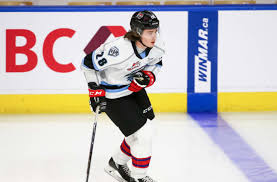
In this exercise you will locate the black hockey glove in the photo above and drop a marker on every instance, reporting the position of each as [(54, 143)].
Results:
[(142, 79), (97, 97)]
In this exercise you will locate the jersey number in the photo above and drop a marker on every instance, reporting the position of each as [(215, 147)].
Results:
[(102, 61)]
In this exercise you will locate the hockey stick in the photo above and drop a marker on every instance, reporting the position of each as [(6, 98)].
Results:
[(92, 140)]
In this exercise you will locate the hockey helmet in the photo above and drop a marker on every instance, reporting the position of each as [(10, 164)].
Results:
[(142, 20)]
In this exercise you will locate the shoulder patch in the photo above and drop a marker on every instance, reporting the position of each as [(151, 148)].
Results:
[(114, 51)]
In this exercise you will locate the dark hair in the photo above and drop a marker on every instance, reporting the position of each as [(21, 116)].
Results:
[(132, 36)]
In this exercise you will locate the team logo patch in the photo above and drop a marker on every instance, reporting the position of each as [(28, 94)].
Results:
[(114, 51), (135, 65), (140, 15)]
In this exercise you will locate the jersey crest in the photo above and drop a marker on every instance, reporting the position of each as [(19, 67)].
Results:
[(114, 51), (134, 66), (120, 50)]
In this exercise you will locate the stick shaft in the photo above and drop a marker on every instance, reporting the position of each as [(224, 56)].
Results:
[(92, 142)]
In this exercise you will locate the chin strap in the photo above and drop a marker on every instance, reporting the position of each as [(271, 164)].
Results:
[(143, 44)]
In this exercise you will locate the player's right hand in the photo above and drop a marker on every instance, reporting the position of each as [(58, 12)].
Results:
[(97, 97), (141, 79)]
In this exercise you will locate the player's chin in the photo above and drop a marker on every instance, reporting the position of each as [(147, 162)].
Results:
[(151, 44)]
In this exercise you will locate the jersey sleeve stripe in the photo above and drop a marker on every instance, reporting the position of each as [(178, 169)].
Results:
[(107, 84), (160, 63), (83, 64), (93, 62), (117, 90)]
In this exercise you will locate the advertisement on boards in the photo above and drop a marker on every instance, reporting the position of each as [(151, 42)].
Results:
[(202, 61), (41, 52)]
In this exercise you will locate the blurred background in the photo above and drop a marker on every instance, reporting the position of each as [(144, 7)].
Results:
[(140, 2)]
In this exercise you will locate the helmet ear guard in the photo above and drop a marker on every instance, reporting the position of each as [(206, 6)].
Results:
[(137, 30)]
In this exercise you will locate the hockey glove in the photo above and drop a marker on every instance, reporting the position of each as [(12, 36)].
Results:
[(97, 97), (142, 79)]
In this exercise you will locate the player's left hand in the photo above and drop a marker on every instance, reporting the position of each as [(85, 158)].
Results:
[(97, 97), (142, 79)]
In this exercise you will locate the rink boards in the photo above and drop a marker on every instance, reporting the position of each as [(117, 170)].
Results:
[(219, 58)]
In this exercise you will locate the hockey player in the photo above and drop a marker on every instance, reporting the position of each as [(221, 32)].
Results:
[(117, 74)]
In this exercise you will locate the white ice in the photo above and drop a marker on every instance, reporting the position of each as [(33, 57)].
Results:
[(54, 148)]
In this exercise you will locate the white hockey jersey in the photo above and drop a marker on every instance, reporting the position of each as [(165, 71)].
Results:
[(113, 64)]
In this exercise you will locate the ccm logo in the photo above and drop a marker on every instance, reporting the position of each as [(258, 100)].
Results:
[(96, 93), (32, 59)]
